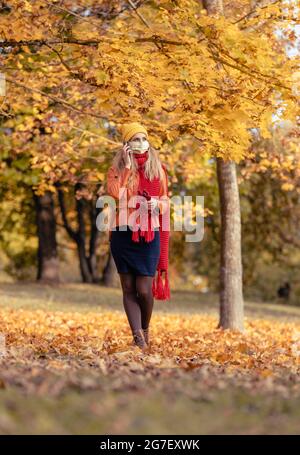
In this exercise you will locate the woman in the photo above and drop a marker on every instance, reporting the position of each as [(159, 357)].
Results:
[(140, 245)]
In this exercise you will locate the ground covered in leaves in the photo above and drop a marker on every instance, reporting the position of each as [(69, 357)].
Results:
[(67, 366)]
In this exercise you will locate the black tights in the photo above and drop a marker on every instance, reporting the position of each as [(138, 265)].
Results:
[(137, 299)]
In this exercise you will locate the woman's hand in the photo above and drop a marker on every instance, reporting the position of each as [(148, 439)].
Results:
[(152, 203), (126, 156)]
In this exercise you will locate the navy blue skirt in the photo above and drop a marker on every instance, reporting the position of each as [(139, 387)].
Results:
[(138, 258)]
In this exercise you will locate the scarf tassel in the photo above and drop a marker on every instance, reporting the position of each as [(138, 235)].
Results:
[(147, 234), (135, 236), (160, 290)]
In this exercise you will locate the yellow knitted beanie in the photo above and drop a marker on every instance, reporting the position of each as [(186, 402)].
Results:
[(130, 129)]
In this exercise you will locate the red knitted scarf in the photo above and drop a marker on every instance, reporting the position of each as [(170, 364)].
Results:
[(149, 188)]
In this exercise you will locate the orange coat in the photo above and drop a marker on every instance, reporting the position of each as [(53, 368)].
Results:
[(118, 179)]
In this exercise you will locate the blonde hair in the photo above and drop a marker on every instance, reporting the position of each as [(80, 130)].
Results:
[(153, 166)]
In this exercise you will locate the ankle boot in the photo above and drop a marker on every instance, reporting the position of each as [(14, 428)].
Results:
[(139, 340), (146, 335)]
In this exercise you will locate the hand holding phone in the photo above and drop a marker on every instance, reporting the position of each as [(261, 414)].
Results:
[(126, 155)]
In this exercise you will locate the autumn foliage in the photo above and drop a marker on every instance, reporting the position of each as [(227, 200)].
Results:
[(179, 341), (207, 87)]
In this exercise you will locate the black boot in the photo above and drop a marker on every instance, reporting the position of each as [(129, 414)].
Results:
[(146, 335), (139, 340)]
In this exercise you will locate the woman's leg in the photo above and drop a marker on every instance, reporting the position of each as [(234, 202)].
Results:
[(145, 298), (130, 301)]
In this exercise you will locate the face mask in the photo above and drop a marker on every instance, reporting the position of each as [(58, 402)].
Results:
[(139, 147)]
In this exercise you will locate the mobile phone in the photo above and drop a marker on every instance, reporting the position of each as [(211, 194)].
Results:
[(126, 143)]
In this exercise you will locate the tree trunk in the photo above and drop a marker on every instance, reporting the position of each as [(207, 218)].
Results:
[(110, 274), (80, 240), (87, 263), (231, 287), (48, 264), (94, 241)]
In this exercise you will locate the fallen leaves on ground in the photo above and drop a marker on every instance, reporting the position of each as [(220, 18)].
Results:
[(47, 352)]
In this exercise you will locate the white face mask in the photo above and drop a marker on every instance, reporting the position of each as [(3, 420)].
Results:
[(139, 146)]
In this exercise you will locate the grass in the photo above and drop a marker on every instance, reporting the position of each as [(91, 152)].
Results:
[(87, 297), (228, 412)]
